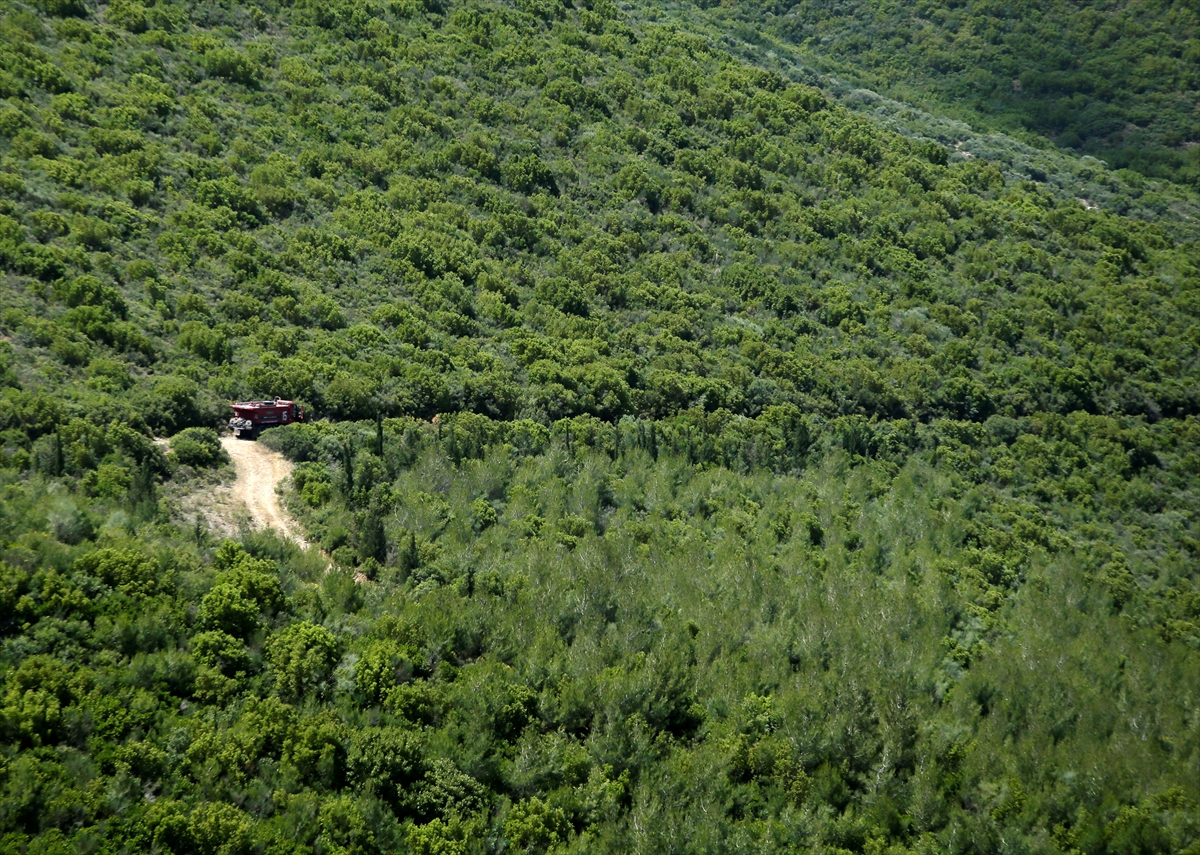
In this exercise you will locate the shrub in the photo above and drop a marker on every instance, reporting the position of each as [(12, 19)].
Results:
[(302, 658), (229, 609), (198, 447), (529, 174), (205, 342), (232, 65), (126, 570), (534, 826), (220, 650), (171, 405)]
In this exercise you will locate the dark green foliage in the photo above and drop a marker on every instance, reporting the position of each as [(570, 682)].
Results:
[(217, 649), (700, 464), (1119, 82), (205, 342), (232, 65), (302, 657), (127, 571), (529, 173), (199, 447), (807, 639)]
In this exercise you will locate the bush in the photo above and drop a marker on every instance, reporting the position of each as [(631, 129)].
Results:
[(198, 447), (205, 342), (64, 8), (534, 826), (228, 609), (220, 650), (126, 570), (302, 657), (529, 174), (232, 65), (171, 405)]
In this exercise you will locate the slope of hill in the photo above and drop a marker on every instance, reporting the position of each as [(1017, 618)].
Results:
[(795, 482), (1116, 80)]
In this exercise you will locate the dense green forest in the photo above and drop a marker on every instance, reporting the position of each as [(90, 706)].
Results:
[(705, 458), (1119, 80)]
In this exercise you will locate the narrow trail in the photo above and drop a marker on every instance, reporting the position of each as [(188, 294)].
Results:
[(259, 470)]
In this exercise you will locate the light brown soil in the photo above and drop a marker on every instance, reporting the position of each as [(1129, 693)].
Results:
[(259, 470)]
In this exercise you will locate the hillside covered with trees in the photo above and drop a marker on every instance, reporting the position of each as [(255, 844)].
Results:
[(700, 463), (1119, 80)]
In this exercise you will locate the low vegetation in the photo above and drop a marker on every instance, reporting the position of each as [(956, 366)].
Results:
[(1115, 80), (730, 467)]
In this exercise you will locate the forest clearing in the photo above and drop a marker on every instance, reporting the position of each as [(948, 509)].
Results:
[(260, 471)]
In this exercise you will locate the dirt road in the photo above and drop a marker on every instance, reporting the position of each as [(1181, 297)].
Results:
[(258, 471)]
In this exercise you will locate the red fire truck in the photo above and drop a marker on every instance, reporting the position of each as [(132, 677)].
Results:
[(250, 417)]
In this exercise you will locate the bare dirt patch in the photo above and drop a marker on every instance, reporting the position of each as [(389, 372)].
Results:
[(229, 506), (259, 471), (210, 506)]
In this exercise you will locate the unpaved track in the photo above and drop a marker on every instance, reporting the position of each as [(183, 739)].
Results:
[(258, 471)]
